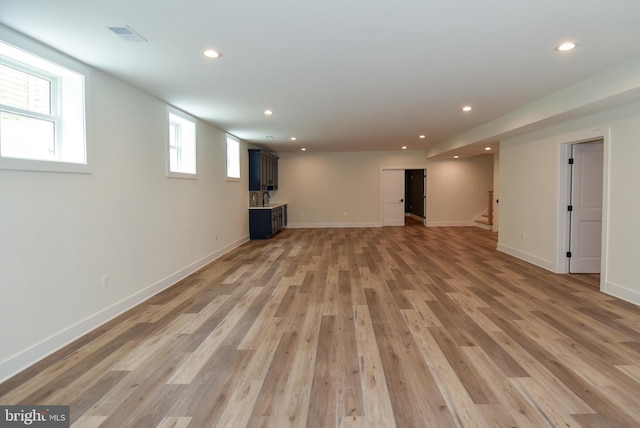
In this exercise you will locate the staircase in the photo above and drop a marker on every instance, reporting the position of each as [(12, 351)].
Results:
[(485, 220)]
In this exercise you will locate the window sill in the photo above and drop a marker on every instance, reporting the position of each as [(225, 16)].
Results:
[(44, 166), (184, 175)]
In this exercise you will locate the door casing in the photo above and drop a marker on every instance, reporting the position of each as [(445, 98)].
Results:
[(564, 142)]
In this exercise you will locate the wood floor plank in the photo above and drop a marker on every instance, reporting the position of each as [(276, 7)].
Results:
[(322, 408), (542, 400), (208, 395), (347, 368), (174, 422), (192, 365), (295, 406), (459, 402), (268, 313), (479, 391), (89, 422), (64, 364), (375, 395), (397, 385), (588, 337), (470, 306), (582, 387), (80, 403), (351, 422), (421, 383), (543, 382), (515, 406), (275, 380), (633, 371), (243, 397), (356, 327)]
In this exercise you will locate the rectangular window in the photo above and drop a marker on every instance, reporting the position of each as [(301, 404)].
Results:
[(42, 108), (233, 159), (182, 146)]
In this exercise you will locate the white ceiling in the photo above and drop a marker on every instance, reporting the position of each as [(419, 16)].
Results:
[(341, 74)]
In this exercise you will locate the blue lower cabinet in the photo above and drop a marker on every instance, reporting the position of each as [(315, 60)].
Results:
[(266, 222)]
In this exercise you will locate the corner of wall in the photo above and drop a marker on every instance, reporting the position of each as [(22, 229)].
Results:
[(621, 292), (540, 262)]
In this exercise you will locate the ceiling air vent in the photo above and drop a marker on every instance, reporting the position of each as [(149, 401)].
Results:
[(127, 34)]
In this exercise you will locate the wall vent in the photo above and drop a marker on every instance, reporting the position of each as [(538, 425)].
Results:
[(127, 34)]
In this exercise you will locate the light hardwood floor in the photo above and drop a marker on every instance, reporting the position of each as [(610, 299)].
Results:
[(380, 327)]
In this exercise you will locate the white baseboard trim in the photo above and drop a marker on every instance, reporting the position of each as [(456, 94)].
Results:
[(624, 293), (483, 226), (330, 225), (530, 258), (449, 223), (26, 358)]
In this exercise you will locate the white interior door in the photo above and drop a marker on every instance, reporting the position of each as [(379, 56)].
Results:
[(392, 196), (586, 202)]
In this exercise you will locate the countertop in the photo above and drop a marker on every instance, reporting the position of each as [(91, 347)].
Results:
[(270, 206)]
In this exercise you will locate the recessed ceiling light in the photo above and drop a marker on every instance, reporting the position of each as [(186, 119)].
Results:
[(467, 108), (210, 53), (422, 136), (303, 149), (404, 147), (268, 112), (269, 137), (293, 138), (487, 148), (456, 157), (567, 46)]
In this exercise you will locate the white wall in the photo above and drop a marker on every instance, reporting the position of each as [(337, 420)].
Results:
[(60, 233), (321, 187), (457, 190), (531, 200), (528, 200)]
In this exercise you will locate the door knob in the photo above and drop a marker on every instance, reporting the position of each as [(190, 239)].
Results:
[(401, 200)]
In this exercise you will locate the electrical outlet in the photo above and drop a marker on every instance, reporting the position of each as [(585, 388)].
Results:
[(105, 281)]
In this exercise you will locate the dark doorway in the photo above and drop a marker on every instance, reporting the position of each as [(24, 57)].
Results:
[(414, 192)]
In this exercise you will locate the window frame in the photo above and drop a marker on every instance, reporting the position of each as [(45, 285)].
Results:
[(180, 118), (175, 131), (47, 60), (233, 139), (54, 115)]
